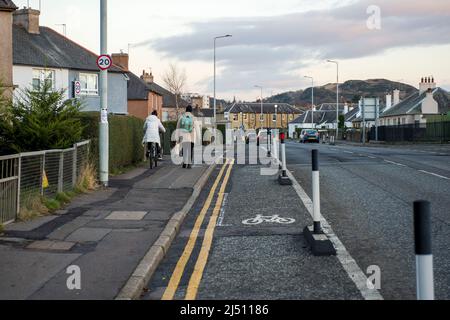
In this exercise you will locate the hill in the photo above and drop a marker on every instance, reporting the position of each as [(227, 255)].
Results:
[(350, 90)]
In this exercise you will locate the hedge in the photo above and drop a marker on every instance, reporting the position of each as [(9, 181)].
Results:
[(125, 138)]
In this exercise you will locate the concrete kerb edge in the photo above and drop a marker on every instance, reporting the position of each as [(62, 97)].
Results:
[(148, 265)]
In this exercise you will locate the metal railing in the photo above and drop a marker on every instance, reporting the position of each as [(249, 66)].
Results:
[(43, 173)]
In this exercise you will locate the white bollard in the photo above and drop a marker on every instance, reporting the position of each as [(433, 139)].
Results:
[(283, 179), (424, 256), (316, 191)]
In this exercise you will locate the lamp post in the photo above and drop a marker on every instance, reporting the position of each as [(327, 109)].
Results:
[(261, 119), (276, 117), (215, 100), (312, 102), (104, 126), (337, 97)]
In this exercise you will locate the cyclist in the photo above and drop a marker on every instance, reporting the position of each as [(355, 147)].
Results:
[(152, 128)]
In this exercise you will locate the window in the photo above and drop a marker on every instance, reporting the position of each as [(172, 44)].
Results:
[(235, 117), (261, 117), (43, 76), (274, 118), (89, 84), (245, 116)]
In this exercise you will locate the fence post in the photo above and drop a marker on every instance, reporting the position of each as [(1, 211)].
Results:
[(42, 173), (19, 174), (61, 172), (74, 165)]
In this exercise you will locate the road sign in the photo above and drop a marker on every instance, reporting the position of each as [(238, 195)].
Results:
[(77, 88), (104, 62)]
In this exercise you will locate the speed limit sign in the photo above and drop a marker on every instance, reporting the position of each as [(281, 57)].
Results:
[(104, 62)]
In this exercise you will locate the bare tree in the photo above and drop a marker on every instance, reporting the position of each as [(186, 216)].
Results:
[(175, 80)]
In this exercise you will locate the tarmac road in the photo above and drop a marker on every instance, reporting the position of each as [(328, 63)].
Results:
[(367, 195)]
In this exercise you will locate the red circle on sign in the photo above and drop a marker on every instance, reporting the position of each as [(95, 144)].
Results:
[(104, 62)]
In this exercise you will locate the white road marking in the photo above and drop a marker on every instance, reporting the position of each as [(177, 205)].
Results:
[(270, 219), (222, 212), (372, 157), (396, 163), (349, 152), (434, 174), (348, 263)]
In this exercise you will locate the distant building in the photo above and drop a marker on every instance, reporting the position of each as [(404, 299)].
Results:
[(324, 118), (42, 55), (428, 101), (197, 100), (248, 115)]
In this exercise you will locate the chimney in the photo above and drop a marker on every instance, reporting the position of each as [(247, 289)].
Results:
[(389, 101), (396, 97), (121, 60), (426, 83), (7, 7), (346, 108), (147, 77), (27, 18)]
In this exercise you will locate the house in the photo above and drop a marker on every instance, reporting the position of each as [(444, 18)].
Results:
[(42, 55), (324, 118), (170, 101), (197, 100), (144, 96), (205, 116), (7, 7), (248, 115), (427, 102)]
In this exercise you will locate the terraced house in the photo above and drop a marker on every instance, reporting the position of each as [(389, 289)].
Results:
[(249, 116)]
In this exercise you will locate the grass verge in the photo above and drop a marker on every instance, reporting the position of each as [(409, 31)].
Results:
[(37, 206)]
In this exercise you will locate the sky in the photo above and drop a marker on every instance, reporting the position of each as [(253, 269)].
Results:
[(275, 44)]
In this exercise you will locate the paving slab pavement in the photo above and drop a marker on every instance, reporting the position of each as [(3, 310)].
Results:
[(105, 233)]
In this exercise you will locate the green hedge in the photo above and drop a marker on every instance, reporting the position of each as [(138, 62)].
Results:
[(125, 138)]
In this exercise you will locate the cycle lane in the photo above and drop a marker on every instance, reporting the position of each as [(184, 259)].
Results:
[(265, 259)]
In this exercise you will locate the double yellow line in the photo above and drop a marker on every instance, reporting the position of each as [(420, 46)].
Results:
[(197, 275)]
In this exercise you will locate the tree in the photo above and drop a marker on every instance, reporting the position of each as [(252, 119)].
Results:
[(341, 122), (40, 120), (175, 80)]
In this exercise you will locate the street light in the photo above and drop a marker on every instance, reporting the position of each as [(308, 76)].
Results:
[(337, 97), (215, 100), (312, 102), (276, 117), (261, 119)]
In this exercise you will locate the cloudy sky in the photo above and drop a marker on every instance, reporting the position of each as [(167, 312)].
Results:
[(274, 44)]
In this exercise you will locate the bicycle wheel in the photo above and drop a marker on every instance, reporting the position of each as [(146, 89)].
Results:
[(151, 155)]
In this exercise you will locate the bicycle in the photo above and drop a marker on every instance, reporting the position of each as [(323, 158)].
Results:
[(152, 153)]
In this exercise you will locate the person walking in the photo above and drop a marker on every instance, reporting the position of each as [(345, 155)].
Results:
[(152, 128), (187, 128)]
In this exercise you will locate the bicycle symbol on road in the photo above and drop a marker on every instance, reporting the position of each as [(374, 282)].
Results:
[(259, 219)]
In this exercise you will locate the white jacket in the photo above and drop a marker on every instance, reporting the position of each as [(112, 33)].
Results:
[(152, 127)]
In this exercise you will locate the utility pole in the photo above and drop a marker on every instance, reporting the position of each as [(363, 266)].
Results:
[(104, 125)]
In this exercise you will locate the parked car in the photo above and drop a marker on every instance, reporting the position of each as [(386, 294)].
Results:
[(262, 136), (309, 136)]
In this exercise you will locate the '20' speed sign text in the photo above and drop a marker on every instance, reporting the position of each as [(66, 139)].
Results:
[(104, 62)]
